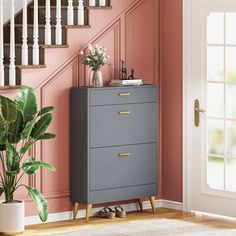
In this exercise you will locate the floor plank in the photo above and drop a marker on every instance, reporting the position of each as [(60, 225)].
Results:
[(162, 213)]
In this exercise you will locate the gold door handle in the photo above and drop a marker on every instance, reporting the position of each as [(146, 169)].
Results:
[(124, 94), (124, 113), (200, 110), (124, 154), (197, 111)]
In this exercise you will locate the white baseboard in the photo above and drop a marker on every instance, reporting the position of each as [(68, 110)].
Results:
[(31, 220)]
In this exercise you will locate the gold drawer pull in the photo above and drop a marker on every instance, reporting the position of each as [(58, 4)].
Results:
[(124, 154), (124, 113), (124, 94)]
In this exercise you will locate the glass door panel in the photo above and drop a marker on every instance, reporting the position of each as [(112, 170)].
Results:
[(221, 101)]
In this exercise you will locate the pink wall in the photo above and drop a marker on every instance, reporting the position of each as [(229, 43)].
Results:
[(130, 31), (171, 89)]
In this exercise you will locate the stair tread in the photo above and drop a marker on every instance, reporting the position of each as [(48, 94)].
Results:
[(41, 46), (99, 7), (75, 7), (54, 26), (27, 66), (10, 87)]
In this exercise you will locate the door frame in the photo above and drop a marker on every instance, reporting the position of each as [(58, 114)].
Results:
[(187, 106)]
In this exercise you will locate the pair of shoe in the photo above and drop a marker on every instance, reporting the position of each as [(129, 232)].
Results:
[(109, 213)]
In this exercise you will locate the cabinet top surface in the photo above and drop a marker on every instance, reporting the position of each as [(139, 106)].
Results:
[(112, 88)]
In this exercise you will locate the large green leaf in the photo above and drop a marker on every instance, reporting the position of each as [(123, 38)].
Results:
[(47, 136), (31, 166), (12, 159), (28, 129), (45, 110), (9, 111), (1, 191), (2, 127), (26, 147), (41, 126), (26, 101), (41, 203), (16, 128)]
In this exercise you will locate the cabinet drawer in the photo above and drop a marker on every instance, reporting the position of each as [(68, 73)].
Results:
[(123, 124), (123, 95), (123, 166)]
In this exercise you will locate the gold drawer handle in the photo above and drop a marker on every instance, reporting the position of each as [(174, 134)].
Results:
[(124, 94), (124, 113), (124, 154)]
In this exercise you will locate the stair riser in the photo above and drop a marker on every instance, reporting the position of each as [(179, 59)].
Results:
[(30, 35), (42, 13), (18, 55)]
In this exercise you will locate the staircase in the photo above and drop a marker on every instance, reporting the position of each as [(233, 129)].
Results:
[(41, 24)]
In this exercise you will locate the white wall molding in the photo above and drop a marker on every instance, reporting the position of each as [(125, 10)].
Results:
[(31, 220), (187, 6)]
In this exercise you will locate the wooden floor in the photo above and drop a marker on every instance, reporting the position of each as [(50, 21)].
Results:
[(67, 226)]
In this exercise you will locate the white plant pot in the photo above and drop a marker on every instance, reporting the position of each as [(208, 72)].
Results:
[(12, 217)]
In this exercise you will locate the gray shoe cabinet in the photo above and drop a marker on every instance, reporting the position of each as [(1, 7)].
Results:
[(113, 138)]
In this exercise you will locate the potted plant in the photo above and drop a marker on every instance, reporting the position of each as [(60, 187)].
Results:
[(95, 57), (21, 126)]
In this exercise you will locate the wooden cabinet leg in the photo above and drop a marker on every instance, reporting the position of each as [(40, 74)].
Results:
[(140, 203), (75, 210), (88, 212), (152, 201)]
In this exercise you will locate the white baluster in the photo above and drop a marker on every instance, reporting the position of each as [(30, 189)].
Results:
[(24, 35), (12, 67), (92, 3), (81, 12), (48, 31), (36, 35), (102, 3), (58, 25), (70, 13), (1, 46)]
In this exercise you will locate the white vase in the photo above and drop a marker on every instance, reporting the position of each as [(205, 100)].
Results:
[(102, 3), (12, 217), (96, 79)]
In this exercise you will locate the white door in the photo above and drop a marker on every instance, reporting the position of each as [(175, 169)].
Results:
[(213, 88)]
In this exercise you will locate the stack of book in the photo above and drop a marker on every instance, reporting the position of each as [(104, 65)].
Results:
[(133, 82)]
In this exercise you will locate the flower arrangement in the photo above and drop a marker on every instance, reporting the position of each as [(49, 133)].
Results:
[(95, 57)]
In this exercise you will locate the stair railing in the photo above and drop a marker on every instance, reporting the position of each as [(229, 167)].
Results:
[(48, 32), (24, 53), (36, 35), (81, 12), (58, 24), (12, 67), (70, 13), (48, 29), (2, 83)]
